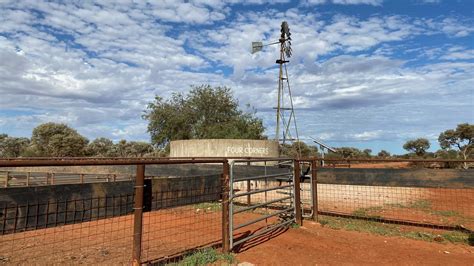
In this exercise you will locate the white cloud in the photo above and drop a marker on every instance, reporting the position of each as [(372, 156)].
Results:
[(358, 2), (344, 2), (458, 53), (96, 67), (431, 1), (367, 135)]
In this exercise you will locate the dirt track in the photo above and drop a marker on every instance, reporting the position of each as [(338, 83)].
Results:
[(313, 244)]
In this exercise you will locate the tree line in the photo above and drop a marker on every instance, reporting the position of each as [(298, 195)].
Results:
[(206, 112), (60, 140), (455, 143)]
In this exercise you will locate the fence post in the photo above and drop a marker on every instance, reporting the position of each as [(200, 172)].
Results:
[(6, 178), (314, 185), (225, 207), (138, 215), (28, 174), (297, 191), (52, 178), (248, 188)]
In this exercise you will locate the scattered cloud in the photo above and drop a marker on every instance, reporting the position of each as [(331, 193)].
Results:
[(96, 65), (345, 2)]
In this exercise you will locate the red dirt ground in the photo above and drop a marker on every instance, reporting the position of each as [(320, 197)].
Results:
[(313, 245), (171, 231)]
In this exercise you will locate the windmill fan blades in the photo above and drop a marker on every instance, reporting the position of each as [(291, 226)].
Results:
[(288, 51), (285, 29), (286, 36)]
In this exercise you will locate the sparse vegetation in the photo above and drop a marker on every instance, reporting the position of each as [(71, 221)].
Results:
[(208, 206), (295, 225), (395, 230), (204, 257), (421, 205), (366, 212)]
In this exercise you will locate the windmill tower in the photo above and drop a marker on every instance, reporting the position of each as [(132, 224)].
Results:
[(286, 131)]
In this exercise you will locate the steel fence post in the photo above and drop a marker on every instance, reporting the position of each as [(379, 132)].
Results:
[(314, 181), (138, 215), (248, 188), (6, 179), (297, 191), (225, 207)]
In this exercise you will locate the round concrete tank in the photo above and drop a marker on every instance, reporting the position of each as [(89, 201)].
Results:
[(223, 148)]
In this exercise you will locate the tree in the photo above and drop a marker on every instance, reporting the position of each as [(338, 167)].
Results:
[(12, 146), (58, 140), (101, 147), (418, 146), (132, 149), (349, 152), (461, 138), (205, 113), (446, 154), (138, 149), (367, 153), (383, 154), (291, 150)]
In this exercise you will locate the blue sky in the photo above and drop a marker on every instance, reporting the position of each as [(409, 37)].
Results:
[(364, 73)]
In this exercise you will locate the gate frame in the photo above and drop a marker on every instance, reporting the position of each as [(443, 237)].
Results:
[(294, 199)]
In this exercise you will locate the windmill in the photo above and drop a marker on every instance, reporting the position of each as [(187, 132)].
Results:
[(286, 128)]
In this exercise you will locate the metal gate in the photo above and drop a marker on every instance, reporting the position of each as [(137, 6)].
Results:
[(262, 198)]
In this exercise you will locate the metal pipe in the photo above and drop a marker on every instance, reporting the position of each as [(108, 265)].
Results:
[(258, 191), (225, 207), (238, 159), (297, 192), (248, 189), (314, 186), (265, 159), (81, 162), (261, 177), (231, 206), (6, 178), (138, 215), (387, 160), (262, 218), (261, 205)]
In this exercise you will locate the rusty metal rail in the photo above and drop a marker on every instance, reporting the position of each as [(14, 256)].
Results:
[(108, 161)]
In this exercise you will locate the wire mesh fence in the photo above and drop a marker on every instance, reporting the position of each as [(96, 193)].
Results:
[(408, 195), (186, 214), (85, 230), (93, 223), (180, 211)]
